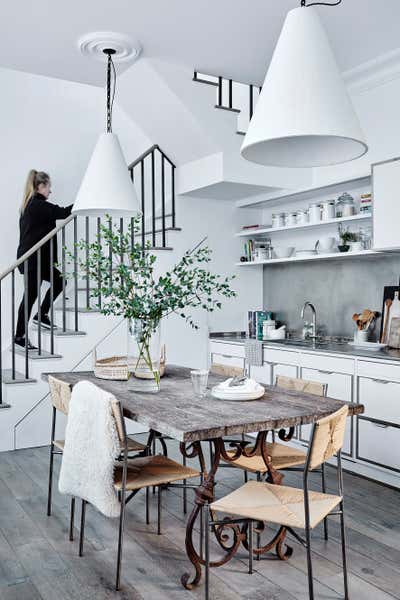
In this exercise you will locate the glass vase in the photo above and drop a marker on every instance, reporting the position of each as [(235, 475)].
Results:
[(144, 353)]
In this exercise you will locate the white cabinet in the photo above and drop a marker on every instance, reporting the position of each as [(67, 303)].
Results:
[(262, 374), (378, 444), (386, 204), (381, 399), (340, 386)]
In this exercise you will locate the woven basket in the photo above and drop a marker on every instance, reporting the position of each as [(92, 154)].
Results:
[(116, 367)]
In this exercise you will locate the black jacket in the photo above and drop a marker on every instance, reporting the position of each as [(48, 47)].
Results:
[(37, 220)]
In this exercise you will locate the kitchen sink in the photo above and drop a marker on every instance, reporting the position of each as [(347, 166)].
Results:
[(301, 342)]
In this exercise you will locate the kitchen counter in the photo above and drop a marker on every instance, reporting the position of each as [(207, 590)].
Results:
[(341, 348)]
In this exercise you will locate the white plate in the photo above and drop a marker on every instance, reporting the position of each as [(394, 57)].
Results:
[(238, 397), (372, 346)]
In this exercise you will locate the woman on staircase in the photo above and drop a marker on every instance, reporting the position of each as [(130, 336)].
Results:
[(38, 218)]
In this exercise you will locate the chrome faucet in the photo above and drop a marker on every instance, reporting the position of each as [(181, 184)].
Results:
[(314, 320)]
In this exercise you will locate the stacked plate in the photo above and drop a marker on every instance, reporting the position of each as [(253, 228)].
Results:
[(247, 390)]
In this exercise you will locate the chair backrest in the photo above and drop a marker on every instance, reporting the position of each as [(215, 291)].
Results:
[(301, 385), (119, 420), (227, 370), (327, 438), (60, 394)]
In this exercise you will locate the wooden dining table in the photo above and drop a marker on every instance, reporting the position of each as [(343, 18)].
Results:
[(177, 413)]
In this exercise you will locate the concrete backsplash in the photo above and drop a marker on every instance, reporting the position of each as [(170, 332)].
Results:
[(337, 288)]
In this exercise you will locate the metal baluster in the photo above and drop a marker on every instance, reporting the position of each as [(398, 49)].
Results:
[(230, 88), (251, 101), (153, 198), (173, 194), (64, 315), (26, 318), (75, 274), (163, 199), (110, 255), (132, 219), (39, 307), (12, 324), (99, 266), (1, 351), (52, 296), (143, 204), (219, 91), (87, 261)]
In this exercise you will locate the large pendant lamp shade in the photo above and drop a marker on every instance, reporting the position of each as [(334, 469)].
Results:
[(304, 116), (107, 187)]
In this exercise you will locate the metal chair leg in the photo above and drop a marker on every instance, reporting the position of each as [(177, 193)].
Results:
[(344, 557), (309, 565), (71, 520), (159, 511), (50, 488), (120, 541), (82, 531), (147, 506), (207, 550), (184, 489), (250, 537), (324, 491), (245, 476)]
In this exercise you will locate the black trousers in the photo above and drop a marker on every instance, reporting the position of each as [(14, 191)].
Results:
[(33, 293)]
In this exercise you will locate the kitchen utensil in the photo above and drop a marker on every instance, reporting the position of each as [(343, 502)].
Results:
[(388, 304), (324, 245), (284, 251), (328, 210), (305, 253), (360, 336), (394, 309), (394, 333), (370, 346), (315, 213)]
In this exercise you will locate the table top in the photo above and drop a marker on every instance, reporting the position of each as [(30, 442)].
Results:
[(177, 412)]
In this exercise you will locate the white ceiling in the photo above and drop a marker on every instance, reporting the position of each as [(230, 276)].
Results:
[(234, 38)]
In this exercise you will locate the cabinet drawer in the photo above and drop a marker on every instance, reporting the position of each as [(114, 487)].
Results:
[(284, 369), (381, 399), (285, 357), (228, 349), (378, 370), (226, 360), (331, 364), (262, 374), (340, 386), (378, 444)]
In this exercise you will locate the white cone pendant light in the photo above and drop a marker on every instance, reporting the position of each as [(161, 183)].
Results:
[(304, 116), (107, 187)]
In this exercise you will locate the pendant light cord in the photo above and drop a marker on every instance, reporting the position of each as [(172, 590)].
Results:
[(111, 83), (303, 3)]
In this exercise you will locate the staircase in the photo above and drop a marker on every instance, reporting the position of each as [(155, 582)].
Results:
[(77, 326), (239, 98)]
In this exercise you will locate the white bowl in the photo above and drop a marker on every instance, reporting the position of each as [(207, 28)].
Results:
[(284, 251)]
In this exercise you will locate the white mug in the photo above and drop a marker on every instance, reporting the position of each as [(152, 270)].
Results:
[(325, 244)]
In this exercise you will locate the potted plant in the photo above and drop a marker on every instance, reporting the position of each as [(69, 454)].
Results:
[(347, 238), (129, 287)]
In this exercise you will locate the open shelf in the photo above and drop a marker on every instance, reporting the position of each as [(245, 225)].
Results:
[(329, 256), (269, 230), (306, 193)]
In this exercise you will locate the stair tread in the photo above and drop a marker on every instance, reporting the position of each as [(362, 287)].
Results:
[(221, 107), (199, 80), (7, 377), (34, 354), (58, 332)]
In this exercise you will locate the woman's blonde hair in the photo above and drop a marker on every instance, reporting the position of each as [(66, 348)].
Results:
[(34, 179)]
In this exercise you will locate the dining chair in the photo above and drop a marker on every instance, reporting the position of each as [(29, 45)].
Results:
[(134, 474), (283, 456), (293, 508), (60, 396)]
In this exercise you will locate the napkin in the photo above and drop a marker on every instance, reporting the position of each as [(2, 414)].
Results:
[(248, 386)]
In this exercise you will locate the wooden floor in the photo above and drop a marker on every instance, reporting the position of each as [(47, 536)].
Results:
[(38, 562)]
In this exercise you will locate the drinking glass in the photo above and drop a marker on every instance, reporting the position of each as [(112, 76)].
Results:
[(199, 382)]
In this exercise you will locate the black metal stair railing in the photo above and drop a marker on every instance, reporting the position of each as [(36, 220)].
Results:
[(158, 217), (228, 97)]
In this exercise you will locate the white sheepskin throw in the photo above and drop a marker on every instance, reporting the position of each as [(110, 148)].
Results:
[(91, 447)]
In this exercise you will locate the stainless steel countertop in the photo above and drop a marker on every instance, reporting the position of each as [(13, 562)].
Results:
[(342, 348)]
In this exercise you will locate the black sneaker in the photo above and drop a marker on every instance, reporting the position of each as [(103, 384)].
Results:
[(44, 322), (20, 341)]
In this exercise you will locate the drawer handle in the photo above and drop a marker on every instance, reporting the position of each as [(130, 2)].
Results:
[(226, 356), (383, 381), (381, 425), (325, 372)]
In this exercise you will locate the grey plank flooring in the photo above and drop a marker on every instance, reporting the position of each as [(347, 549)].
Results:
[(37, 562)]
